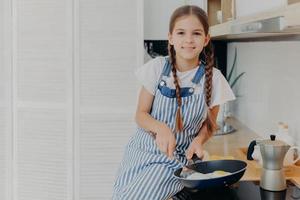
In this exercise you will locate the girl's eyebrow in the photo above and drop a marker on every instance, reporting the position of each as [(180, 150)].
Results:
[(199, 30), (181, 29)]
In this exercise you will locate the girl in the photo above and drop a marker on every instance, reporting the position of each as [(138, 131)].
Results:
[(176, 111)]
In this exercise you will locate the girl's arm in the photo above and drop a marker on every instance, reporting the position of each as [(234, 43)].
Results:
[(164, 137), (204, 134), (142, 116), (196, 147)]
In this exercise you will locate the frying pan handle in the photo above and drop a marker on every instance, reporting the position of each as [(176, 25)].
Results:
[(195, 159)]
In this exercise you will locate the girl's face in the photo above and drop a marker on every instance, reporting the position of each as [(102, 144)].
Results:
[(188, 37)]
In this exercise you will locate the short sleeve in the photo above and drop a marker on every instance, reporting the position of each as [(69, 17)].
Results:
[(149, 73), (221, 92)]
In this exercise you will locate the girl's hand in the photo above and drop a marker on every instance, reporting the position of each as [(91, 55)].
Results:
[(195, 147), (165, 140)]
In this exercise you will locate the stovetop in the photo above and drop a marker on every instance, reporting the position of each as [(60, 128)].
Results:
[(244, 190)]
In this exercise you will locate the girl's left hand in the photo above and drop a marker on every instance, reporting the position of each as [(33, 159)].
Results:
[(195, 147)]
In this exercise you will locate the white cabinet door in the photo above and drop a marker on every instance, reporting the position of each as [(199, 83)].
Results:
[(67, 95), (42, 99), (5, 102), (105, 91), (157, 14), (245, 8)]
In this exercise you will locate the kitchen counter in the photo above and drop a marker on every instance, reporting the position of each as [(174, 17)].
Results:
[(225, 145), (236, 143)]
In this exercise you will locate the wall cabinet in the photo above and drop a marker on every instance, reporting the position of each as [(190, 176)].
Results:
[(285, 17), (256, 6)]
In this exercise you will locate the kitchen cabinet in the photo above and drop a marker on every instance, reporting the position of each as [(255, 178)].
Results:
[(220, 11), (287, 18), (157, 15), (257, 6)]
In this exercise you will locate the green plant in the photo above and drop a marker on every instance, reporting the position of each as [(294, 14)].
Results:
[(229, 77)]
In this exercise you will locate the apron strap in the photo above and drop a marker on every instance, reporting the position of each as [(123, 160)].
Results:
[(167, 68), (199, 74), (165, 72)]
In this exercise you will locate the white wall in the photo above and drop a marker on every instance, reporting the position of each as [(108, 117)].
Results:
[(157, 15), (270, 88)]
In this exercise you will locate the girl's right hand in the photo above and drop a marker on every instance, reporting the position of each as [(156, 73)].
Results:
[(165, 140)]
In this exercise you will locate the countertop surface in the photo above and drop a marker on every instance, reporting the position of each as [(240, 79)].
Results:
[(236, 144), (226, 145)]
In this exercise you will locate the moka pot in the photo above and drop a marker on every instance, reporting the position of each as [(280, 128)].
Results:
[(273, 153)]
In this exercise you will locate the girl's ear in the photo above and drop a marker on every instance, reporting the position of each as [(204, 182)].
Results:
[(170, 38), (207, 39)]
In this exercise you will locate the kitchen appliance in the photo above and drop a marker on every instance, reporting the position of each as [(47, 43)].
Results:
[(235, 167), (273, 152)]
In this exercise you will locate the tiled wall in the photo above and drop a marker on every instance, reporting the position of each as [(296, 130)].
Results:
[(269, 91)]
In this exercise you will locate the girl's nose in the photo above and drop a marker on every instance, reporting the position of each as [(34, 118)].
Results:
[(189, 38)]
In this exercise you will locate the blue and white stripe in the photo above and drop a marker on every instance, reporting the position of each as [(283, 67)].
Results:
[(147, 174)]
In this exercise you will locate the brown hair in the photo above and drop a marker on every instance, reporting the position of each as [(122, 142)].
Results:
[(207, 54)]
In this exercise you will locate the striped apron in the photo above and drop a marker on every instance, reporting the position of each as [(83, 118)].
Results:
[(145, 172)]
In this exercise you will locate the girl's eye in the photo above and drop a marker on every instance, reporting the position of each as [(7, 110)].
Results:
[(180, 33), (197, 33)]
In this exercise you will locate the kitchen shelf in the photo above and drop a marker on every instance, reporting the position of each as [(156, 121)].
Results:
[(290, 14)]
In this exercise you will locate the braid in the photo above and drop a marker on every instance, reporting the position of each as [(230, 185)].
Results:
[(176, 83), (172, 53), (208, 52), (209, 57)]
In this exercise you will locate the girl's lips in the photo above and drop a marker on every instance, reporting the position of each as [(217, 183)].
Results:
[(188, 47)]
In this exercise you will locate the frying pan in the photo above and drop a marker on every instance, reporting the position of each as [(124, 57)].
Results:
[(235, 167)]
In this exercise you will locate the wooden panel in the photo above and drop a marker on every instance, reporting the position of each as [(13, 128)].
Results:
[(212, 7), (293, 1), (228, 10)]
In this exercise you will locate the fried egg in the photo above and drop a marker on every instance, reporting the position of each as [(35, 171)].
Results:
[(201, 176)]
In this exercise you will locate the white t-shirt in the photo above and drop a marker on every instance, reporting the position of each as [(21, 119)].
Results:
[(149, 74)]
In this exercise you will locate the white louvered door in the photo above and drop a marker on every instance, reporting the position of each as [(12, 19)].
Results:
[(3, 122), (109, 40), (42, 99), (4, 105), (67, 95)]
